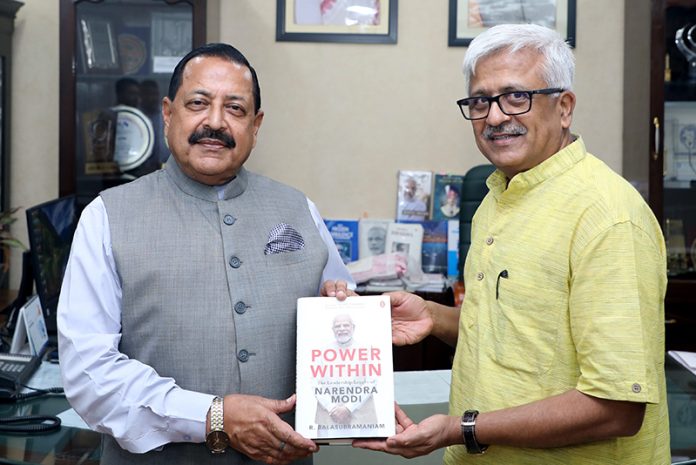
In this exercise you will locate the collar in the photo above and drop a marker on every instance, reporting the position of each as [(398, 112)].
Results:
[(232, 189), (558, 163)]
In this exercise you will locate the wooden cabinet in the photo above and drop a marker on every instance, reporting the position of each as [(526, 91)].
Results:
[(662, 162), (8, 11), (116, 59)]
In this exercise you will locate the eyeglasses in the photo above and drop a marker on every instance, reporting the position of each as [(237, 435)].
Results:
[(512, 103)]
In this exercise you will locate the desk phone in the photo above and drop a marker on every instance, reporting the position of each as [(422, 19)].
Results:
[(15, 370)]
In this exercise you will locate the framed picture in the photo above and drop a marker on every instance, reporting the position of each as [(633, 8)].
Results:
[(468, 18), (99, 48), (352, 21), (171, 39)]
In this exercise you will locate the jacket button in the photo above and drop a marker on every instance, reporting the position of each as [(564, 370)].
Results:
[(240, 307), (243, 355), (479, 276), (235, 262), (229, 220)]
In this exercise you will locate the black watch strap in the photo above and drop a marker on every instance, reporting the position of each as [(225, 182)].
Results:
[(469, 432)]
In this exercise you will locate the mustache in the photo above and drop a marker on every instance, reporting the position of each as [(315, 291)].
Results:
[(208, 133), (505, 129)]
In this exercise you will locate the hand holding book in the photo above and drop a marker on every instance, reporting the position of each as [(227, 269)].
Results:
[(338, 289), (256, 429)]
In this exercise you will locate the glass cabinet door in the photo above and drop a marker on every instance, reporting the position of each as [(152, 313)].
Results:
[(122, 54), (679, 162)]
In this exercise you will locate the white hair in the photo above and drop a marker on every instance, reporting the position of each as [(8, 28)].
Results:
[(558, 68)]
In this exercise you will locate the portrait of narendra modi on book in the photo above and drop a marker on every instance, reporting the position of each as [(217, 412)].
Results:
[(345, 375)]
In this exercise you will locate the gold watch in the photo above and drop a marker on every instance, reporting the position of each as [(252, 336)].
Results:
[(217, 440)]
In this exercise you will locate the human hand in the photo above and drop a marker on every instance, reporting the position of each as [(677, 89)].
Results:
[(340, 414), (411, 318), (256, 430), (416, 439), (338, 289)]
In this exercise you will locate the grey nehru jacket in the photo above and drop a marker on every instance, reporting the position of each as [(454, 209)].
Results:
[(202, 303)]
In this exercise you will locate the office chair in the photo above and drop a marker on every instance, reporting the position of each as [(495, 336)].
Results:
[(474, 189)]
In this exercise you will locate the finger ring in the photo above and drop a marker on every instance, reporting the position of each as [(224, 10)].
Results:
[(282, 446)]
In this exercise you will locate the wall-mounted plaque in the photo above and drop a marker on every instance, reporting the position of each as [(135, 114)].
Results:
[(135, 137), (99, 129)]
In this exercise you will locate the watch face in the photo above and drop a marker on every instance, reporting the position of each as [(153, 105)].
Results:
[(217, 441)]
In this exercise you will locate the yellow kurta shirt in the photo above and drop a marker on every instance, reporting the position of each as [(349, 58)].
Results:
[(565, 283)]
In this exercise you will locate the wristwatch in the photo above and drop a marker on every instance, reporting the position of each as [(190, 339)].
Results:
[(469, 432), (217, 440)]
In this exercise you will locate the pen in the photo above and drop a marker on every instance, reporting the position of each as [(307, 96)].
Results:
[(502, 274)]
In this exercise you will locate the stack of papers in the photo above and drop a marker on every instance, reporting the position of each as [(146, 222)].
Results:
[(688, 359)]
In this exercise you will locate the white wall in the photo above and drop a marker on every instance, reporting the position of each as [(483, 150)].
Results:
[(341, 119)]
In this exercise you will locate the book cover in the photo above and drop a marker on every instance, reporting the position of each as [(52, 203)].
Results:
[(372, 237), (345, 373), (453, 249), (407, 238), (433, 246), (434, 249), (345, 236), (413, 196), (447, 190)]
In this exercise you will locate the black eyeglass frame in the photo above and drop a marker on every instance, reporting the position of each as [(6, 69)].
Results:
[(461, 103)]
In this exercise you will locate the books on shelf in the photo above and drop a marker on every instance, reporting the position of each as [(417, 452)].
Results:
[(413, 195), (345, 374), (345, 236), (372, 235), (447, 191)]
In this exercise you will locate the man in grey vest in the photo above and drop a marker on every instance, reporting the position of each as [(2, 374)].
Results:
[(176, 321)]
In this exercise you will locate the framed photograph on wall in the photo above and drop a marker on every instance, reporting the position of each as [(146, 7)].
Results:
[(468, 18), (349, 21)]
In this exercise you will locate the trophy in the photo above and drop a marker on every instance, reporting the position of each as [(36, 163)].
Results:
[(687, 46)]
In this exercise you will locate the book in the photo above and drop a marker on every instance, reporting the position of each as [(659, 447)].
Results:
[(434, 246), (413, 196), (345, 373), (453, 249), (345, 236), (372, 237), (447, 191), (407, 238)]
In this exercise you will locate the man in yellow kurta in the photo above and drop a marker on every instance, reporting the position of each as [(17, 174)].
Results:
[(560, 339)]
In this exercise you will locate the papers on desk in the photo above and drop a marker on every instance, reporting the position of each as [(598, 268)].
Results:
[(688, 359)]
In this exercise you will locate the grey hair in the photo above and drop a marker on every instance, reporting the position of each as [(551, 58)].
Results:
[(558, 68)]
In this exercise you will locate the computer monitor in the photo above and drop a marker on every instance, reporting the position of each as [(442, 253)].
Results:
[(51, 227)]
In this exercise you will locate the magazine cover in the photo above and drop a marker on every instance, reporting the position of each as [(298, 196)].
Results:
[(413, 197), (345, 236), (447, 191), (372, 235), (345, 374)]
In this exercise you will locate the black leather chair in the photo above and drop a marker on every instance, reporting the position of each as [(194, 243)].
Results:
[(474, 189)]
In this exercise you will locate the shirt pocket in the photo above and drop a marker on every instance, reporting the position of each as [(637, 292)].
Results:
[(525, 323)]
